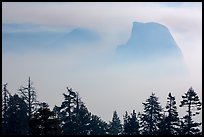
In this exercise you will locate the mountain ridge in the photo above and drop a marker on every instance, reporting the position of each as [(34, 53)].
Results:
[(150, 40)]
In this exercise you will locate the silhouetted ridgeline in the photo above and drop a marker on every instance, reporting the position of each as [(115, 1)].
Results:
[(22, 114)]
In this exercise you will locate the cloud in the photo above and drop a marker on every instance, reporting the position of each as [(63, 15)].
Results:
[(110, 19)]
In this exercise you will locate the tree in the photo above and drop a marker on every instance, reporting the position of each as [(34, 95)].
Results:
[(74, 115), (115, 126), (98, 126), (66, 112), (151, 116), (170, 122), (82, 119), (44, 122), (17, 120), (193, 104), (5, 98), (29, 95), (126, 123), (131, 124)]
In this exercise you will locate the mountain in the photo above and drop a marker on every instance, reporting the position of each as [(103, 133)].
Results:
[(151, 47), (149, 40), (21, 38), (78, 36)]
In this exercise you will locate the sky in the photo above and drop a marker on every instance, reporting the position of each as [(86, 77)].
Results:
[(88, 69)]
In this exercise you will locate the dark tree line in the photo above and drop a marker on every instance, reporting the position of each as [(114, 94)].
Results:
[(23, 114)]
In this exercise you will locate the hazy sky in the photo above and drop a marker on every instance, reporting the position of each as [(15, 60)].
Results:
[(103, 87)]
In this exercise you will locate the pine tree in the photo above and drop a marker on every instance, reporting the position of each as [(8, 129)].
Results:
[(81, 118), (74, 115), (134, 124), (17, 120), (170, 122), (29, 95), (152, 116), (5, 98), (126, 123), (163, 126), (131, 124), (56, 110), (115, 126), (44, 122), (98, 126), (66, 112), (192, 102)]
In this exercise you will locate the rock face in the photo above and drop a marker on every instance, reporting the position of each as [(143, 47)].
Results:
[(149, 40), (151, 48)]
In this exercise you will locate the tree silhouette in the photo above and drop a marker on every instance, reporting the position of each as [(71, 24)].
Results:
[(44, 122), (17, 119), (74, 115), (192, 102), (131, 124), (98, 126), (29, 95), (152, 116), (20, 116), (5, 98), (126, 123), (66, 112), (170, 122), (115, 126), (84, 120)]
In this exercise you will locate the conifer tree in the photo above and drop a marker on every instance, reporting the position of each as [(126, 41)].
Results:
[(74, 115), (82, 119), (17, 119), (126, 123), (132, 125), (193, 104), (115, 126), (5, 98), (151, 116), (66, 112), (170, 121), (98, 126), (44, 122), (28, 93)]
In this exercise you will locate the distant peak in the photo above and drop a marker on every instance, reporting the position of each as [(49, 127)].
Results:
[(150, 39), (150, 24), (145, 23)]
